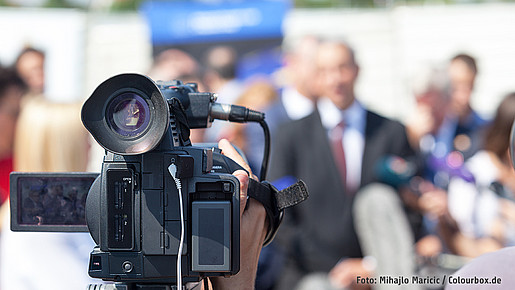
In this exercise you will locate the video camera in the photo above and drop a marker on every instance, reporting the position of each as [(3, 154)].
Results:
[(162, 212)]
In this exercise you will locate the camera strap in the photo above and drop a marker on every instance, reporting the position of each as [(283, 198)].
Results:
[(276, 201)]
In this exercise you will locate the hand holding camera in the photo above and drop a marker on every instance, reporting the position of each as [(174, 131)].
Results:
[(253, 228)]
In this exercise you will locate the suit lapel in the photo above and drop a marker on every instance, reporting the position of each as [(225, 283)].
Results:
[(373, 124), (321, 147)]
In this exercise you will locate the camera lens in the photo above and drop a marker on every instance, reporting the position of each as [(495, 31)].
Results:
[(128, 114)]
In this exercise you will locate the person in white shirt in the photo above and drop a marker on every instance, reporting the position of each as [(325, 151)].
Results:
[(484, 209)]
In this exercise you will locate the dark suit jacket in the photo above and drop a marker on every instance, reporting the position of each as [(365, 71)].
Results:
[(320, 231)]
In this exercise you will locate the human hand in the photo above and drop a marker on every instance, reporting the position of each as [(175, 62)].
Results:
[(428, 246), (345, 273), (253, 228), (434, 203)]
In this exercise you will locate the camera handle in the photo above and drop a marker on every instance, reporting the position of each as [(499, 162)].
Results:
[(276, 201)]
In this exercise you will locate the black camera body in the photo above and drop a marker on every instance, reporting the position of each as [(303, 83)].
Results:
[(155, 187), (158, 202), (162, 212), (133, 215)]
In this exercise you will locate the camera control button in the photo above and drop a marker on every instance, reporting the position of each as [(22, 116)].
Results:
[(227, 187), (127, 267)]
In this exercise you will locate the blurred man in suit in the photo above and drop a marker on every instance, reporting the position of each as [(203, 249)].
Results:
[(335, 151)]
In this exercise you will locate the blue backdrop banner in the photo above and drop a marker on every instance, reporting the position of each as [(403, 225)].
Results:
[(179, 22)]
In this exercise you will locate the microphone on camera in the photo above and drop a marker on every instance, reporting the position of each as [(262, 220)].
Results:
[(234, 113)]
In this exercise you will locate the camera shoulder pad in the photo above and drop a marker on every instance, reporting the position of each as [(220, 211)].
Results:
[(276, 201)]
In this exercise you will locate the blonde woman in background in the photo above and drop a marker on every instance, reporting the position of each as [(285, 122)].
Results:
[(49, 138)]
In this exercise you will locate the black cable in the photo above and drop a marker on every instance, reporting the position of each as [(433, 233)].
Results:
[(240, 114), (266, 152)]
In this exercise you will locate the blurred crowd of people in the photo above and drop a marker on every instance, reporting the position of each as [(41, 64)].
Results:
[(40, 136), (390, 198), (387, 197)]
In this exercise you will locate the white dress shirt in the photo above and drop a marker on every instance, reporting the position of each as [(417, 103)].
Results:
[(354, 118), (296, 105)]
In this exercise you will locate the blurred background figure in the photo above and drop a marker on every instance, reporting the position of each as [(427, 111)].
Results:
[(462, 72), (175, 64), (429, 123), (301, 88), (443, 120), (220, 63), (446, 132), (220, 75), (433, 127), (298, 91), (12, 88), (431, 132), (30, 65), (49, 137), (482, 210), (481, 218), (258, 95), (349, 214)]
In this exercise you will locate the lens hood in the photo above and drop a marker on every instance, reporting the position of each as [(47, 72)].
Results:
[(127, 114)]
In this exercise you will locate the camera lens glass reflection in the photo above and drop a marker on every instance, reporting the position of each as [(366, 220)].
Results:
[(128, 114)]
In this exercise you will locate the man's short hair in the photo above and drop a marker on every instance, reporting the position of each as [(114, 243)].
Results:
[(468, 60), (338, 40), (28, 50), (222, 60)]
